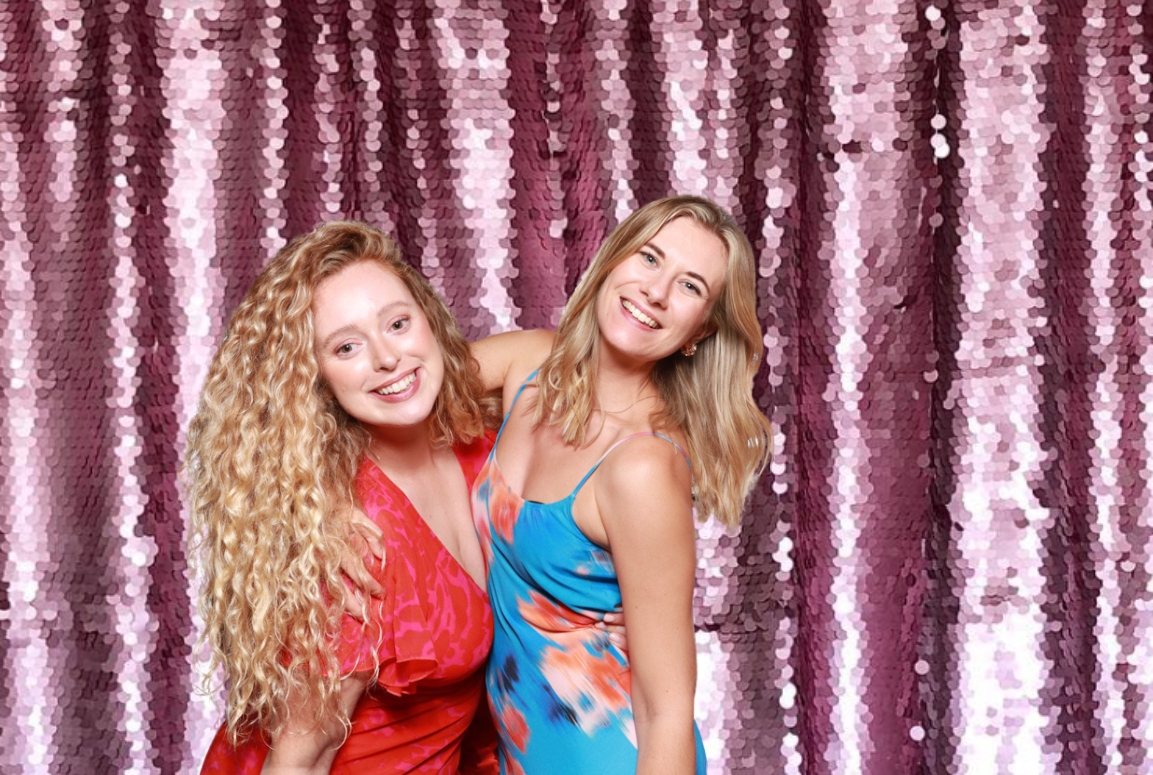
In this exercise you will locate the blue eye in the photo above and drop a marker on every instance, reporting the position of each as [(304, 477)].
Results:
[(648, 258)]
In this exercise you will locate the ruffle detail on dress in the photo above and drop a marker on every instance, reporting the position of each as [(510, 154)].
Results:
[(407, 651), (398, 633), (397, 630)]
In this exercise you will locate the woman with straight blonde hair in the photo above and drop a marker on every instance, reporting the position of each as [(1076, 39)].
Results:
[(635, 413), (343, 386)]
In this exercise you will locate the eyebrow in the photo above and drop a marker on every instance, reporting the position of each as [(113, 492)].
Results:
[(657, 249), (380, 313)]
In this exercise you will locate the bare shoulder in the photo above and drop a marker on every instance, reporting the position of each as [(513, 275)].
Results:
[(531, 347), (507, 359), (646, 478)]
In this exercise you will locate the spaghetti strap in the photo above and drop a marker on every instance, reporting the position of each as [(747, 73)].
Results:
[(597, 464), (512, 406)]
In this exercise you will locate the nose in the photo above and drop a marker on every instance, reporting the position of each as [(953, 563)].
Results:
[(384, 358), (656, 287)]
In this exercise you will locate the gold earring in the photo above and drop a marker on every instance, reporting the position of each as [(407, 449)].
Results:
[(689, 349)]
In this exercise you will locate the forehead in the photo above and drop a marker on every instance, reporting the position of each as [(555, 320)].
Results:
[(357, 291), (694, 248)]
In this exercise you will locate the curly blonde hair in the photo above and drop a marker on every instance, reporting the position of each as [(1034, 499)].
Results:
[(708, 396), (270, 465)]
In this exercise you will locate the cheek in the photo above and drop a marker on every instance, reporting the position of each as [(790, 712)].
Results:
[(435, 364), (603, 304), (625, 274), (693, 314), (337, 375), (426, 347), (325, 372)]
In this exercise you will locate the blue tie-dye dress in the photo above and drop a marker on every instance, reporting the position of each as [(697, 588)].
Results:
[(559, 689)]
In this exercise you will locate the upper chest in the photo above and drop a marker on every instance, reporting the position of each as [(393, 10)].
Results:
[(432, 606), (427, 515), (538, 464)]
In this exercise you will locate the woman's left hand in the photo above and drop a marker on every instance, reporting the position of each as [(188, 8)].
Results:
[(614, 625), (368, 546)]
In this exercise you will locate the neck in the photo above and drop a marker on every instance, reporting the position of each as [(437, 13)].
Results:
[(401, 449), (626, 382)]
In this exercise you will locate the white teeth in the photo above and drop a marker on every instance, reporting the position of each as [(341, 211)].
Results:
[(636, 313), (396, 387)]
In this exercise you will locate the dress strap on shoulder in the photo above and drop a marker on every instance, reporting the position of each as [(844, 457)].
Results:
[(616, 444), (512, 406), (520, 389)]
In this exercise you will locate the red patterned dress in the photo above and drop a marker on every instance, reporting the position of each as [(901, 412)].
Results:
[(434, 627)]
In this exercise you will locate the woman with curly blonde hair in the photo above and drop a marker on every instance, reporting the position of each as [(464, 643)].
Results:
[(651, 368), (343, 386)]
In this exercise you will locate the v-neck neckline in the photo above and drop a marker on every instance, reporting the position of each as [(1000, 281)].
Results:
[(424, 523)]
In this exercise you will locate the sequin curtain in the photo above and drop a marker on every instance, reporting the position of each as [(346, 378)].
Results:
[(947, 569)]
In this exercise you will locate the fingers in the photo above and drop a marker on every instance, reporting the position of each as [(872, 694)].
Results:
[(363, 585), (366, 545), (355, 569), (375, 544), (352, 600), (613, 625), (354, 605), (371, 533)]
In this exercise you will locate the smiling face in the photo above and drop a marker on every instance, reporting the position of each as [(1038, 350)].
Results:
[(658, 299), (375, 348)]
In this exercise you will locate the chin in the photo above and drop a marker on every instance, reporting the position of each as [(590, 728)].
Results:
[(415, 417)]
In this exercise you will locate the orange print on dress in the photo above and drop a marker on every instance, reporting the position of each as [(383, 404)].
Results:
[(515, 726), (514, 767), (503, 506), (594, 686), (551, 617)]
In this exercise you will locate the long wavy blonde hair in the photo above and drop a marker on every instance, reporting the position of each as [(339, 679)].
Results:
[(270, 466), (708, 396)]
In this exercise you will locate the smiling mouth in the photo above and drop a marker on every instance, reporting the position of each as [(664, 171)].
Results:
[(397, 386), (636, 313)]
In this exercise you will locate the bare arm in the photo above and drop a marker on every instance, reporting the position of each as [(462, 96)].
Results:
[(507, 359), (308, 745), (645, 505)]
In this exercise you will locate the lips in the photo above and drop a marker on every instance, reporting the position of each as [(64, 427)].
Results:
[(638, 315), (397, 388)]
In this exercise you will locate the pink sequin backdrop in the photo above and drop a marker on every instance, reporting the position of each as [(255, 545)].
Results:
[(947, 569)]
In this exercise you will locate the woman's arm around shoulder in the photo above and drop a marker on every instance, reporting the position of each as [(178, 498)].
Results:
[(645, 504), (507, 359)]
